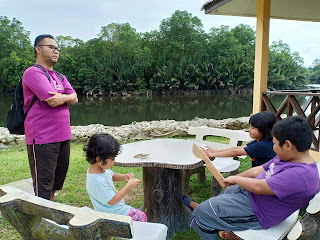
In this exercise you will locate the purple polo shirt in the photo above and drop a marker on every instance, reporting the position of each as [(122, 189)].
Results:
[(294, 184), (45, 124)]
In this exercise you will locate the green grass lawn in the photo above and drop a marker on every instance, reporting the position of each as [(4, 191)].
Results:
[(14, 167)]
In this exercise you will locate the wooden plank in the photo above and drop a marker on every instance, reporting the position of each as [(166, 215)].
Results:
[(268, 104), (315, 142), (197, 151), (313, 106), (316, 123), (282, 108), (293, 93), (296, 106), (305, 106), (311, 117), (297, 90), (263, 105), (289, 106)]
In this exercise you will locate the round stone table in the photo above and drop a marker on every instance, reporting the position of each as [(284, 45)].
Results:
[(162, 178)]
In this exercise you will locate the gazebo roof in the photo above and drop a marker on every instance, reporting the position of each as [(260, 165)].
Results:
[(304, 10)]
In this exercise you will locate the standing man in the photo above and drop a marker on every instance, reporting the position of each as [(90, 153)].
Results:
[(47, 125)]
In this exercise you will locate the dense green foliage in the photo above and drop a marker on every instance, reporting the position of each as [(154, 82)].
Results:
[(179, 56), (16, 52), (285, 69), (315, 72)]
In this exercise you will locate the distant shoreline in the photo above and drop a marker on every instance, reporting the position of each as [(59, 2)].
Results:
[(239, 91), (135, 130)]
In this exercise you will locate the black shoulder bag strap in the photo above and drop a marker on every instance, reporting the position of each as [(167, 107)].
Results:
[(60, 75), (35, 97), (47, 74)]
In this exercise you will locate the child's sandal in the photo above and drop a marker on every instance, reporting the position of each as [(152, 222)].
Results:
[(228, 235), (186, 201)]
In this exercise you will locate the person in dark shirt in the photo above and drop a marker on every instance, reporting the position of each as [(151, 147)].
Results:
[(261, 149)]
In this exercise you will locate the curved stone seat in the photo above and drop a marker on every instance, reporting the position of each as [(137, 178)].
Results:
[(29, 214)]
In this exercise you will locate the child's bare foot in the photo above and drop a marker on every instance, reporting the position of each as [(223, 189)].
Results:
[(228, 235)]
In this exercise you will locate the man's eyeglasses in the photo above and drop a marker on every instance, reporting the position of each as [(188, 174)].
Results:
[(52, 47)]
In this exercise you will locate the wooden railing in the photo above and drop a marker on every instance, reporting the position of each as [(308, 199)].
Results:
[(292, 106)]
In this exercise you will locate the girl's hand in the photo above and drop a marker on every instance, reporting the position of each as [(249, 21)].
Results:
[(128, 176), (208, 151), (132, 183)]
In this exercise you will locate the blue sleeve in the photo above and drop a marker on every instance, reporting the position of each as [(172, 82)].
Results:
[(110, 171), (262, 149), (252, 142)]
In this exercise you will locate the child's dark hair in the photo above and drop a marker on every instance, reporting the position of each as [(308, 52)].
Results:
[(264, 121), (295, 129), (102, 145), (39, 39)]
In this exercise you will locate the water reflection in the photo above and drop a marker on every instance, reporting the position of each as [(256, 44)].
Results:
[(119, 111)]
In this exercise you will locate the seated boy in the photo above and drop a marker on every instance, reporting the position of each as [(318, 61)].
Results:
[(263, 196)]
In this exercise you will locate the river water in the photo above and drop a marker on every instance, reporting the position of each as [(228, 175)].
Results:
[(118, 111)]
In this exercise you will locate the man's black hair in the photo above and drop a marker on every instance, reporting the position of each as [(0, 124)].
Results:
[(295, 129), (39, 39), (264, 121), (102, 145)]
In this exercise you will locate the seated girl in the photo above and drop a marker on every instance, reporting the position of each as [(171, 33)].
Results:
[(100, 153), (261, 149)]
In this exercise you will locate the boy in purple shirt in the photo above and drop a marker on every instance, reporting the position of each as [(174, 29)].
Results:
[(47, 125), (263, 196)]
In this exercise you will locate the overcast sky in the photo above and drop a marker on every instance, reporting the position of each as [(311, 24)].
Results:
[(84, 19)]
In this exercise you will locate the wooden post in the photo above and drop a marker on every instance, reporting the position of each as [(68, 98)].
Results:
[(261, 53), (315, 155)]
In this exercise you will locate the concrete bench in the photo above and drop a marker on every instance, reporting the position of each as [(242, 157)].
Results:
[(308, 227), (38, 218), (276, 232), (223, 164)]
